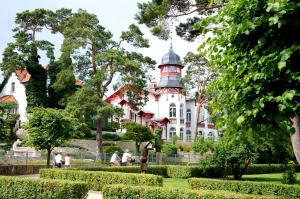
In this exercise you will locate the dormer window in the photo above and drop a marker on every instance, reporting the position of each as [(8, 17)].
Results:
[(12, 87)]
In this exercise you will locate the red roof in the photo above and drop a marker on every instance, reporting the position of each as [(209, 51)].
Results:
[(118, 93), (23, 75), (8, 98)]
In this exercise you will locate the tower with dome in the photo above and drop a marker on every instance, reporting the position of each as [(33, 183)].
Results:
[(167, 106)]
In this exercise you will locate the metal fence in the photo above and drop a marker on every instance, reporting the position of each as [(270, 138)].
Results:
[(82, 157)]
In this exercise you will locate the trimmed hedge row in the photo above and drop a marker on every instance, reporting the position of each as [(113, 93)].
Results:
[(20, 169), (97, 179), (268, 168), (21, 188), (246, 187), (144, 192), (156, 170), (167, 171), (192, 171)]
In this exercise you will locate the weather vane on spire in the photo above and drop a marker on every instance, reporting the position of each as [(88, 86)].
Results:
[(171, 34)]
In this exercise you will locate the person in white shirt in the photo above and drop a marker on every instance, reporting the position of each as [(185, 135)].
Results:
[(115, 159), (67, 160), (126, 156), (57, 160)]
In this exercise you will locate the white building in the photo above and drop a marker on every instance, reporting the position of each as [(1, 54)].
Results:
[(14, 91), (167, 106)]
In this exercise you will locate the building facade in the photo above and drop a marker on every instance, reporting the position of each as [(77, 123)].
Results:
[(167, 106)]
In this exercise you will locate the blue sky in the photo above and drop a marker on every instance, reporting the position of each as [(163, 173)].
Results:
[(115, 15)]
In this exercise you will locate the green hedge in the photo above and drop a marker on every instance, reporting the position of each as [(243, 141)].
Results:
[(20, 169), (194, 171), (167, 171), (21, 188), (268, 168), (97, 179), (144, 192), (246, 187), (156, 170)]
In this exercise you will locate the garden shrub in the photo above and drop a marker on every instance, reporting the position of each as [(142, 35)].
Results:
[(289, 176), (21, 188), (97, 179), (169, 149), (110, 137), (247, 187), (144, 192), (112, 149), (20, 169)]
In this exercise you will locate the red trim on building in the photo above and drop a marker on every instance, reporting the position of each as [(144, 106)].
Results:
[(8, 98), (211, 126), (170, 74), (202, 125)]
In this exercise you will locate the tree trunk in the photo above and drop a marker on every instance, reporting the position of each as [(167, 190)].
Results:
[(198, 107), (48, 157), (99, 151), (295, 137), (158, 158)]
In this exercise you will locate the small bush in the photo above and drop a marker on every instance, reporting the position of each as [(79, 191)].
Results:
[(247, 187), (110, 137), (21, 188), (112, 149), (143, 192), (96, 180), (289, 176), (169, 149)]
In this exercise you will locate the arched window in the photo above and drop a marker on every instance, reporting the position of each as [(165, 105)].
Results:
[(210, 134), (172, 132), (181, 134), (181, 110), (188, 115), (188, 135), (172, 110)]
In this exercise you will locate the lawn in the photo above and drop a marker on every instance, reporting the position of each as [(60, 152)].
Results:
[(271, 178), (176, 183)]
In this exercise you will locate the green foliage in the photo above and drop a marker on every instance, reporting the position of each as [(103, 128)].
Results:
[(112, 149), (20, 188), (8, 121), (157, 15), (169, 149), (246, 187), (155, 170), (96, 180), (289, 176), (137, 132), (204, 145), (111, 137), (36, 87), (134, 192), (48, 128), (255, 51), (158, 140), (268, 168), (194, 171)]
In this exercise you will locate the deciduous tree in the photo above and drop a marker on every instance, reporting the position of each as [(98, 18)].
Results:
[(256, 51)]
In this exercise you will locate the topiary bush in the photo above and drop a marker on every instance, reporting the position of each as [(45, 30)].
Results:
[(21, 188), (97, 179)]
